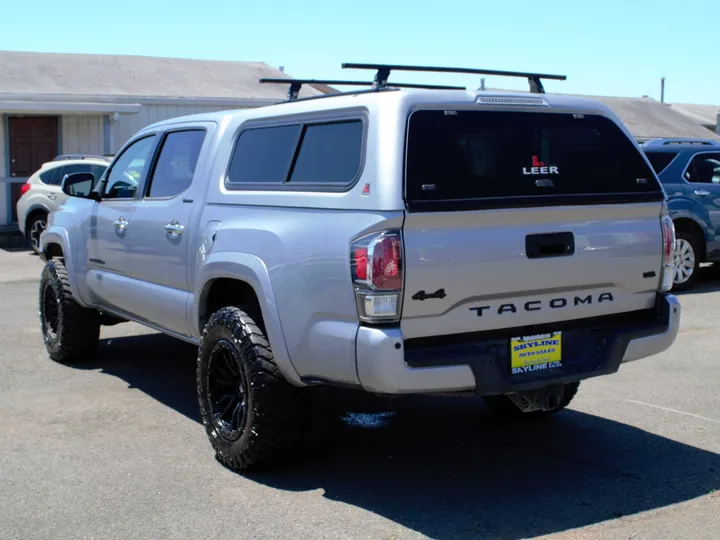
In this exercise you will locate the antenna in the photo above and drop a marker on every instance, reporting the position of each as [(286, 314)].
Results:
[(296, 84), (383, 72)]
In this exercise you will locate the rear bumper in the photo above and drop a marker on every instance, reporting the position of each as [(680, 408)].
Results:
[(21, 207), (388, 364)]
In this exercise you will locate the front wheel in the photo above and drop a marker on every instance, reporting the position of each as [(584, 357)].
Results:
[(70, 331), (250, 412), (687, 260)]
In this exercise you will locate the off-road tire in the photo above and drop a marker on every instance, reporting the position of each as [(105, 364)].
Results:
[(271, 426), (503, 407), (73, 332), (691, 238)]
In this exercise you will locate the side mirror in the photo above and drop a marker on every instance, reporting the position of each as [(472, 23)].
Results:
[(80, 185)]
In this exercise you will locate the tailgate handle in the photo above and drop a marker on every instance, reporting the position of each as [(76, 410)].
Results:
[(538, 246)]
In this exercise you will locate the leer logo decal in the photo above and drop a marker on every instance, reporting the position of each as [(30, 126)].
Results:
[(538, 167)]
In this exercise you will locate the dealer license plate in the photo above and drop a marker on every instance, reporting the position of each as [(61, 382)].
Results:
[(535, 353)]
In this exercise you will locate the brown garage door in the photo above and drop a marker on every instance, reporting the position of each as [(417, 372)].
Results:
[(33, 141)]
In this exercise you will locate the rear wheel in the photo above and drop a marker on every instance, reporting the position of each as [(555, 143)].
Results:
[(687, 259), (250, 412), (36, 225), (505, 407)]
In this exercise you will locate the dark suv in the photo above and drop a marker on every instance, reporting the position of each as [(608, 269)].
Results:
[(689, 169)]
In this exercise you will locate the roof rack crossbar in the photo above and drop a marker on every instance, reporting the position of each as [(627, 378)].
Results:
[(296, 84), (383, 72)]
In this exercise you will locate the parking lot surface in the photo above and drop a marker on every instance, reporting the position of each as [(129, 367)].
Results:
[(114, 449)]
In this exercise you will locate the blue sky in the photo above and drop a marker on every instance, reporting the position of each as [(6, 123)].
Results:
[(612, 47)]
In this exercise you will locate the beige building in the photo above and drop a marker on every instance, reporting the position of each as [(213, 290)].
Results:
[(52, 104), (705, 115)]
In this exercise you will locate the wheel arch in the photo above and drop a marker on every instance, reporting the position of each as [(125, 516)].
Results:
[(235, 278), (690, 225), (55, 242), (33, 211)]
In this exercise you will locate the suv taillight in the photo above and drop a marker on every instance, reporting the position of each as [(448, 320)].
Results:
[(25, 188), (376, 263), (668, 267)]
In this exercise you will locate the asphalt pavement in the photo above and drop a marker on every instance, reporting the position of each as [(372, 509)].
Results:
[(114, 449)]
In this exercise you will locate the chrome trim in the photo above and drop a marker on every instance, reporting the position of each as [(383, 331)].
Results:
[(120, 224), (174, 228)]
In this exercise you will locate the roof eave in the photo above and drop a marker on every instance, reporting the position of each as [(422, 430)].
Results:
[(64, 107), (142, 100)]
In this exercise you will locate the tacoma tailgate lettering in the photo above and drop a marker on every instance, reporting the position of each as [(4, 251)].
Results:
[(537, 305)]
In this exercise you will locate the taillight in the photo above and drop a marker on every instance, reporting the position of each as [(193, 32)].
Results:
[(668, 232), (376, 263), (25, 188)]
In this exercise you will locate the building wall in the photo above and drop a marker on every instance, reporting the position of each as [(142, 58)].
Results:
[(82, 134), (86, 134), (4, 180), (129, 124), (79, 134)]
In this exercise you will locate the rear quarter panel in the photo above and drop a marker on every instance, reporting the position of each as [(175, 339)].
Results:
[(306, 255)]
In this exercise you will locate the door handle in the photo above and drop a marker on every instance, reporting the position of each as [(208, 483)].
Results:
[(120, 224), (52, 197), (701, 193), (174, 228)]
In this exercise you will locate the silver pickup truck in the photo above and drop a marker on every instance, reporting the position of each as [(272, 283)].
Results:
[(398, 241)]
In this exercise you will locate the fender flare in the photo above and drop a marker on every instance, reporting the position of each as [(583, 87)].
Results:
[(34, 208), (252, 270), (58, 235), (689, 214)]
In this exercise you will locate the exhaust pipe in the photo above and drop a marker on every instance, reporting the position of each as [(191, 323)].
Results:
[(552, 400), (524, 403)]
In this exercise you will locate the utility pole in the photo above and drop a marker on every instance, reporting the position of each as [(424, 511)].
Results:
[(662, 89)]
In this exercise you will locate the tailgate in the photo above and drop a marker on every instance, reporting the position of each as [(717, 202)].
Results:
[(480, 261), (518, 218)]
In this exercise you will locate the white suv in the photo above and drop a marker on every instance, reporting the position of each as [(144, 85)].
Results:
[(42, 193)]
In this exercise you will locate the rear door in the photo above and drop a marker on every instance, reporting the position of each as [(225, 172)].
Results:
[(703, 178), (161, 231), (523, 218)]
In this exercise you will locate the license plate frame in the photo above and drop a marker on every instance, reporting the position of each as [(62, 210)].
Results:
[(534, 353)]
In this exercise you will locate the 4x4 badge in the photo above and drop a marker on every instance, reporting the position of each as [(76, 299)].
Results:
[(422, 295)]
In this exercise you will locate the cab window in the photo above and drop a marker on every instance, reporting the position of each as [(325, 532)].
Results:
[(130, 170)]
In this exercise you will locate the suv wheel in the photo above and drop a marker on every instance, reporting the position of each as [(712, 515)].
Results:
[(36, 225), (504, 407), (250, 412), (70, 331), (687, 260)]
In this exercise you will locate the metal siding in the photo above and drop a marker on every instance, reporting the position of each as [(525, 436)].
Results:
[(3, 144), (129, 124), (4, 182), (82, 134)]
